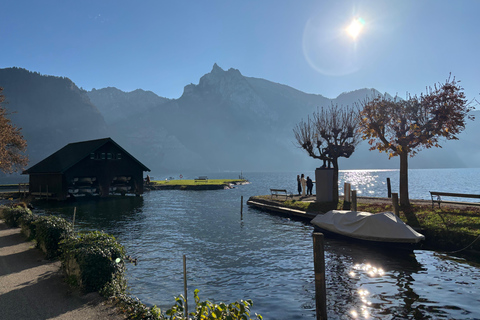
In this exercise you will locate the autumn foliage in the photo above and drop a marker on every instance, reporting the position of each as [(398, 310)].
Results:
[(404, 127), (408, 126), (12, 143)]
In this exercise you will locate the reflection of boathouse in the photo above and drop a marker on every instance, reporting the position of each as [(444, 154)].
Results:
[(97, 167)]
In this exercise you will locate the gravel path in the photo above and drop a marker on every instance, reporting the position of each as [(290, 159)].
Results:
[(33, 288)]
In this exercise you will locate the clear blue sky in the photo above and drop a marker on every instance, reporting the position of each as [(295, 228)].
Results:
[(162, 46)]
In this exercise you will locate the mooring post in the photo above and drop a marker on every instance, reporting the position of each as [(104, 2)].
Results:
[(389, 188), (347, 201), (185, 284), (241, 208), (395, 203), (319, 267), (354, 200), (73, 223)]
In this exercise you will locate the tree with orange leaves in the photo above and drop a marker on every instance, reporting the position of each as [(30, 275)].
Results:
[(404, 127), (12, 143)]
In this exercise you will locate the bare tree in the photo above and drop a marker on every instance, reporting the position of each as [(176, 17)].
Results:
[(330, 134), (12, 143)]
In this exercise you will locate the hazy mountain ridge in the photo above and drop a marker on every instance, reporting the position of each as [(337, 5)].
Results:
[(225, 122), (116, 105), (52, 111)]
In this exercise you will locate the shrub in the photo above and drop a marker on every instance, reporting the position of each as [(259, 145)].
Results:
[(99, 261), (50, 230), (12, 215), (27, 222), (209, 311)]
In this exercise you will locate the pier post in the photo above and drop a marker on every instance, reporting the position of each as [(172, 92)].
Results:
[(319, 267), (347, 199), (241, 208), (74, 213), (389, 188), (354, 200), (185, 284), (395, 203)]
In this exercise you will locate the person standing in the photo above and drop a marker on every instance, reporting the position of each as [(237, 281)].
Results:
[(309, 186), (304, 182), (299, 184)]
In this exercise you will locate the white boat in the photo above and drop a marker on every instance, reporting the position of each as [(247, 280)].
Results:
[(384, 227)]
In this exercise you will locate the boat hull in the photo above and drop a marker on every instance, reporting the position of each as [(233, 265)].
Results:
[(382, 228)]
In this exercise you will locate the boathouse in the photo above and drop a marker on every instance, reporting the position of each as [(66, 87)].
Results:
[(96, 167)]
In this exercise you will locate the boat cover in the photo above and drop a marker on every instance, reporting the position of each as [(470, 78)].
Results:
[(384, 226)]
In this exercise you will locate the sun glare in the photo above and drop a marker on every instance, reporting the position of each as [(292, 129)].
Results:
[(355, 28)]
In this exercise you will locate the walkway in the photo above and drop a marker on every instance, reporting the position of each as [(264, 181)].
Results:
[(33, 288)]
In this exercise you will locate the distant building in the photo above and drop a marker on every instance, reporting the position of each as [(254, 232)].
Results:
[(96, 167)]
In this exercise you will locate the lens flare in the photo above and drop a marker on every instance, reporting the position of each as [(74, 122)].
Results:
[(355, 28)]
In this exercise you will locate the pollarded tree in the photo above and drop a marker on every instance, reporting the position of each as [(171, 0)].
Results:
[(12, 144), (331, 133), (404, 127)]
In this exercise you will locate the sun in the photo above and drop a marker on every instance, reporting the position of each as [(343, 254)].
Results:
[(355, 28)]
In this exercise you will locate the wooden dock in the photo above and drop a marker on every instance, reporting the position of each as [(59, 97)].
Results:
[(276, 207)]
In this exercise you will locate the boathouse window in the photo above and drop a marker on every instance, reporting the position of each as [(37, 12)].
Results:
[(109, 156), (119, 156), (103, 155), (92, 156)]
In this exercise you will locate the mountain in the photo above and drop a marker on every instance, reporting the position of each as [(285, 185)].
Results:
[(52, 111), (116, 105), (226, 122)]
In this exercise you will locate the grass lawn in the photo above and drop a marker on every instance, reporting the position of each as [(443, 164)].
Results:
[(184, 182)]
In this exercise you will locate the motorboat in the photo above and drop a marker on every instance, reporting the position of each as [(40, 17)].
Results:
[(384, 227)]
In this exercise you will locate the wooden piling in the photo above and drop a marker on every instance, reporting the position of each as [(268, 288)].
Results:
[(241, 208), (347, 196), (319, 267), (395, 203), (74, 213), (354, 200), (185, 284), (389, 188)]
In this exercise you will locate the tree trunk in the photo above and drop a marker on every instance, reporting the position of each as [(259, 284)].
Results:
[(335, 180), (404, 199)]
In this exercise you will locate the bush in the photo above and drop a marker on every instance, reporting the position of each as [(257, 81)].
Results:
[(209, 311), (12, 215), (50, 230), (95, 261), (27, 223)]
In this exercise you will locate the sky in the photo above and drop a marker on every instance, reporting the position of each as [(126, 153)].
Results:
[(403, 46)]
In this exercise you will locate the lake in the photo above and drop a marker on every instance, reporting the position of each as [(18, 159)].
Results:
[(269, 259)]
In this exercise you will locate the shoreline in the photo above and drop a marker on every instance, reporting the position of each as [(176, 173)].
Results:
[(433, 241)]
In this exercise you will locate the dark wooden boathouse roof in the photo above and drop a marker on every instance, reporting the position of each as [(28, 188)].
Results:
[(71, 154)]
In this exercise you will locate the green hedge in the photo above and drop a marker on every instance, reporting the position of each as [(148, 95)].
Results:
[(100, 260), (12, 215), (50, 230)]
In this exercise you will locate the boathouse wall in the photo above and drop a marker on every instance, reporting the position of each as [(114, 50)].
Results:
[(97, 167)]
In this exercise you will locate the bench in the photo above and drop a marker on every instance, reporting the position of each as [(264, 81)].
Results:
[(275, 192), (439, 199)]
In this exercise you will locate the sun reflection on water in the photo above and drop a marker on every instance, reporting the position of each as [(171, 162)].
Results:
[(365, 182), (362, 311)]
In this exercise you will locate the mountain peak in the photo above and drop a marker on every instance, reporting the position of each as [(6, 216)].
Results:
[(216, 69)]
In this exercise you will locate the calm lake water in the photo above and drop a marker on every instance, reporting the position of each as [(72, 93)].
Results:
[(269, 259)]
